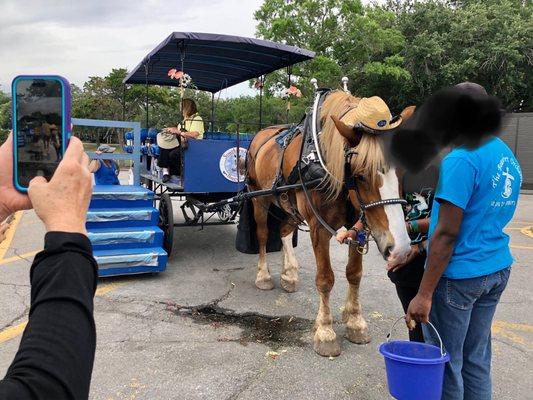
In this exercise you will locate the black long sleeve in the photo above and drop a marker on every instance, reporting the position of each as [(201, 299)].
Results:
[(56, 353)]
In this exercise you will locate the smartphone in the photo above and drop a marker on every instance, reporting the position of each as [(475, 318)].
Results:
[(41, 126)]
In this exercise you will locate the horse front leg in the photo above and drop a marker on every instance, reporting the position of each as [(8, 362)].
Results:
[(263, 280), (289, 272), (356, 326), (325, 340)]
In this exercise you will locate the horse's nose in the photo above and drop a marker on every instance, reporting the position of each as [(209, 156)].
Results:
[(387, 252)]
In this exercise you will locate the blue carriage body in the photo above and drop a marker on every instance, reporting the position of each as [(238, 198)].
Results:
[(210, 166), (129, 234)]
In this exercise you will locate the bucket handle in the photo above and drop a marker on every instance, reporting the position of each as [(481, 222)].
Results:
[(442, 352)]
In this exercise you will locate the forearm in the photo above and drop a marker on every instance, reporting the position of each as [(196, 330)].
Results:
[(418, 226), (440, 251), (190, 135), (56, 353)]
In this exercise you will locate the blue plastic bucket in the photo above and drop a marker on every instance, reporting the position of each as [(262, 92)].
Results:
[(415, 371)]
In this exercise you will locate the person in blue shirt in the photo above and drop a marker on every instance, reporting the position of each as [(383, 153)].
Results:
[(469, 259), (105, 171)]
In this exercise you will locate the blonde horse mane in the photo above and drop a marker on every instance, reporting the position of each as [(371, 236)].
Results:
[(370, 158)]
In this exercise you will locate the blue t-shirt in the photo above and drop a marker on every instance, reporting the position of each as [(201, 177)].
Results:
[(107, 175), (485, 183)]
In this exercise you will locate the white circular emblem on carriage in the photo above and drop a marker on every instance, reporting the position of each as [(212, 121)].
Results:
[(228, 164)]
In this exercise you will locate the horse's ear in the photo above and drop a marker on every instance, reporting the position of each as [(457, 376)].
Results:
[(352, 135), (407, 112)]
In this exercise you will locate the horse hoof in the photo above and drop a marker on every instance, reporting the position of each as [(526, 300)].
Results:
[(327, 348), (264, 284), (357, 336), (289, 286)]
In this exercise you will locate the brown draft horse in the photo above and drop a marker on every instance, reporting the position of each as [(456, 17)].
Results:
[(379, 181)]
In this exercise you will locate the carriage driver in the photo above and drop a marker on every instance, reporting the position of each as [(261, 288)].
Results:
[(170, 140)]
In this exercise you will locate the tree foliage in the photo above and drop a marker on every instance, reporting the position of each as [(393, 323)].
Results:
[(405, 50)]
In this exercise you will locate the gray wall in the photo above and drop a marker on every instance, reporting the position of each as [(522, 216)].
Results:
[(517, 132)]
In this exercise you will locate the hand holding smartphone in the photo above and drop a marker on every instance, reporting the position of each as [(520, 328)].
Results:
[(41, 126)]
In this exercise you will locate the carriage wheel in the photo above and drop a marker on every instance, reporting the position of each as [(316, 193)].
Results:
[(166, 221), (225, 213)]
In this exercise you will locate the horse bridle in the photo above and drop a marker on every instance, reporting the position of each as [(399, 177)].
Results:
[(350, 182)]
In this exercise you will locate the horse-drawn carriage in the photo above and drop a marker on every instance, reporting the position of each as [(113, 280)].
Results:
[(329, 171)]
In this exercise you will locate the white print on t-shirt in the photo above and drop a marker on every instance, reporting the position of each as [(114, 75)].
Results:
[(508, 185)]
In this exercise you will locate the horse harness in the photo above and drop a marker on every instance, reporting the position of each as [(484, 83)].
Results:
[(311, 165)]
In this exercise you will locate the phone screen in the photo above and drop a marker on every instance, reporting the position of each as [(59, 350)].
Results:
[(39, 124)]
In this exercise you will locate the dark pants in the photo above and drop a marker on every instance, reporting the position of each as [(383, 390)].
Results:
[(407, 281), (406, 294), (171, 159)]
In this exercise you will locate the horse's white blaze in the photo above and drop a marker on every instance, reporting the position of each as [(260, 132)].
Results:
[(389, 190)]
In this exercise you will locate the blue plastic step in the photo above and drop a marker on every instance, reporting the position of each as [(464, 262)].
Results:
[(117, 196), (125, 238), (130, 261), (122, 217)]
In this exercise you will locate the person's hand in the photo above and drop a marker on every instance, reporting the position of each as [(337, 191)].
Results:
[(62, 203), (11, 200), (415, 251), (418, 309), (342, 236)]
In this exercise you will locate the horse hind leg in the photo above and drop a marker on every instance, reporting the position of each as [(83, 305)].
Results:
[(263, 279), (289, 272), (356, 326)]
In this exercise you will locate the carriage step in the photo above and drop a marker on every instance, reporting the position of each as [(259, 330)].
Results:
[(125, 238), (116, 196), (130, 261), (122, 217)]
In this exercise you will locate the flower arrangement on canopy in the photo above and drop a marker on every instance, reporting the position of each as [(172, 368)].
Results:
[(183, 78)]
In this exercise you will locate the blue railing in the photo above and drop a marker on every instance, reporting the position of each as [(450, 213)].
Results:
[(135, 156)]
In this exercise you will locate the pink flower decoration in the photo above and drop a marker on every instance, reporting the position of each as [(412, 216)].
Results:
[(175, 74), (294, 91)]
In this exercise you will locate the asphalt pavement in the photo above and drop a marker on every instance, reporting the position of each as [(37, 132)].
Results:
[(201, 330)]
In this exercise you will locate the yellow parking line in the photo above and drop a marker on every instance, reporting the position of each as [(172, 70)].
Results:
[(19, 257), (16, 330), (527, 230), (10, 234), (507, 330), (12, 332), (515, 246)]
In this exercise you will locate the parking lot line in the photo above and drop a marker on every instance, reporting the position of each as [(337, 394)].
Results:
[(508, 331), (16, 330), (10, 234), (19, 257), (515, 246), (12, 332)]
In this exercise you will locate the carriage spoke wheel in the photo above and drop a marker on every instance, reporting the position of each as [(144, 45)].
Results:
[(225, 213), (166, 221)]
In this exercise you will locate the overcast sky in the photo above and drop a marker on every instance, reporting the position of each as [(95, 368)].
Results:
[(82, 38)]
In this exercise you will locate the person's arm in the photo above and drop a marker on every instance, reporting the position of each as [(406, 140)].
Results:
[(418, 226), (190, 135), (56, 353), (456, 185), (440, 252), (94, 166), (11, 200)]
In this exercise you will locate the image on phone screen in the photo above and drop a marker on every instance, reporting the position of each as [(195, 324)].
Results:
[(38, 136)]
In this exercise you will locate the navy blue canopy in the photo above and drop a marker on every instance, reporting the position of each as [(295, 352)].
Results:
[(214, 61)]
